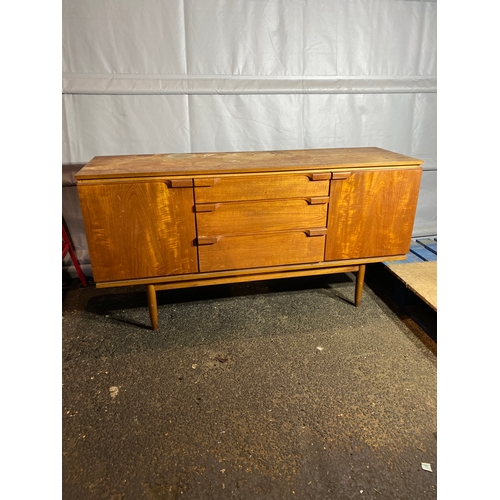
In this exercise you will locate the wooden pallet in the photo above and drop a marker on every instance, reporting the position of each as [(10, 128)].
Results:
[(421, 250)]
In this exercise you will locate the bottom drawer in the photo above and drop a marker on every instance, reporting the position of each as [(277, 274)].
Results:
[(261, 250)]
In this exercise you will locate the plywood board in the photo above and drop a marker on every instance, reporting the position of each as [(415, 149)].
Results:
[(421, 278)]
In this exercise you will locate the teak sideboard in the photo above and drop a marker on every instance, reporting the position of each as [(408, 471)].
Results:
[(172, 221)]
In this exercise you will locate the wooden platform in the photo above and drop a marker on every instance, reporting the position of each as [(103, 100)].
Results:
[(421, 278), (419, 271), (412, 283)]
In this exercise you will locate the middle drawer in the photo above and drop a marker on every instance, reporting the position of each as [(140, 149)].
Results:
[(219, 219)]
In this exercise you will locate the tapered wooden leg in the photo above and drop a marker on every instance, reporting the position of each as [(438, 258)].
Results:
[(152, 305), (360, 279)]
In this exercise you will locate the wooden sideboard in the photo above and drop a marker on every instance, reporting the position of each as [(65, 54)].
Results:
[(171, 221)]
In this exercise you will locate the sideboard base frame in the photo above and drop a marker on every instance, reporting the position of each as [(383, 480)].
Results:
[(223, 278), (153, 288)]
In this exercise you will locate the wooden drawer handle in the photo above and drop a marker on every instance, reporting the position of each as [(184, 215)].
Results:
[(315, 232), (207, 207), (318, 200), (208, 240), (320, 176), (206, 182), (340, 176), (180, 183)]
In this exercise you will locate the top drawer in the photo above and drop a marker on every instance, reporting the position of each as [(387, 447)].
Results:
[(261, 187)]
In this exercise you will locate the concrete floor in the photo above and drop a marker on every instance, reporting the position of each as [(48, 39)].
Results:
[(271, 390)]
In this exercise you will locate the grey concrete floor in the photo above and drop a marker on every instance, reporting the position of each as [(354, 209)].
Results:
[(270, 390)]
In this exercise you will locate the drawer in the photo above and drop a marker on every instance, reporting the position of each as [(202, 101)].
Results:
[(261, 216), (261, 187), (261, 250)]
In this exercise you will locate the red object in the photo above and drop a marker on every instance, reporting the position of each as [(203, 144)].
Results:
[(68, 247)]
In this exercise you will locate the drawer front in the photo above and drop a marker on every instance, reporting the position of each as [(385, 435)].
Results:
[(261, 250), (215, 219), (261, 187)]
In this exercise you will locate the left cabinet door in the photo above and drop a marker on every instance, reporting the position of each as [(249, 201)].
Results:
[(139, 229)]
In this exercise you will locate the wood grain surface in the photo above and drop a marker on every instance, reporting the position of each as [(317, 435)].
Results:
[(139, 230), (240, 162), (372, 213), (259, 187), (259, 216), (259, 250)]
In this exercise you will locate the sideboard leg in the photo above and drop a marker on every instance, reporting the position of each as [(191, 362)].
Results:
[(360, 279), (152, 305)]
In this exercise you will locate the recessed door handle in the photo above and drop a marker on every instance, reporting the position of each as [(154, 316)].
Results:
[(340, 176), (208, 240), (180, 183), (320, 176), (206, 182), (207, 207), (316, 231), (318, 200)]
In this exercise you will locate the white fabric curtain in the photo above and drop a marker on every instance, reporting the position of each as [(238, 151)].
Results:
[(164, 76)]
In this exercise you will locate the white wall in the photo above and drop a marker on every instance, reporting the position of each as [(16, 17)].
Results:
[(163, 76)]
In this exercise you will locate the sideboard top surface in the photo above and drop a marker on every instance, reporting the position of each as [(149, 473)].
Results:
[(177, 164)]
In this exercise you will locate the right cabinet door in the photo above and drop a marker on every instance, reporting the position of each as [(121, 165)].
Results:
[(371, 213)]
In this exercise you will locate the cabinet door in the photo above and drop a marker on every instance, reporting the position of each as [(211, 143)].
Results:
[(371, 213), (139, 229)]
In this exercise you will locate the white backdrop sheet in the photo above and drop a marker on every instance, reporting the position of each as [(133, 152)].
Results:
[(164, 76)]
